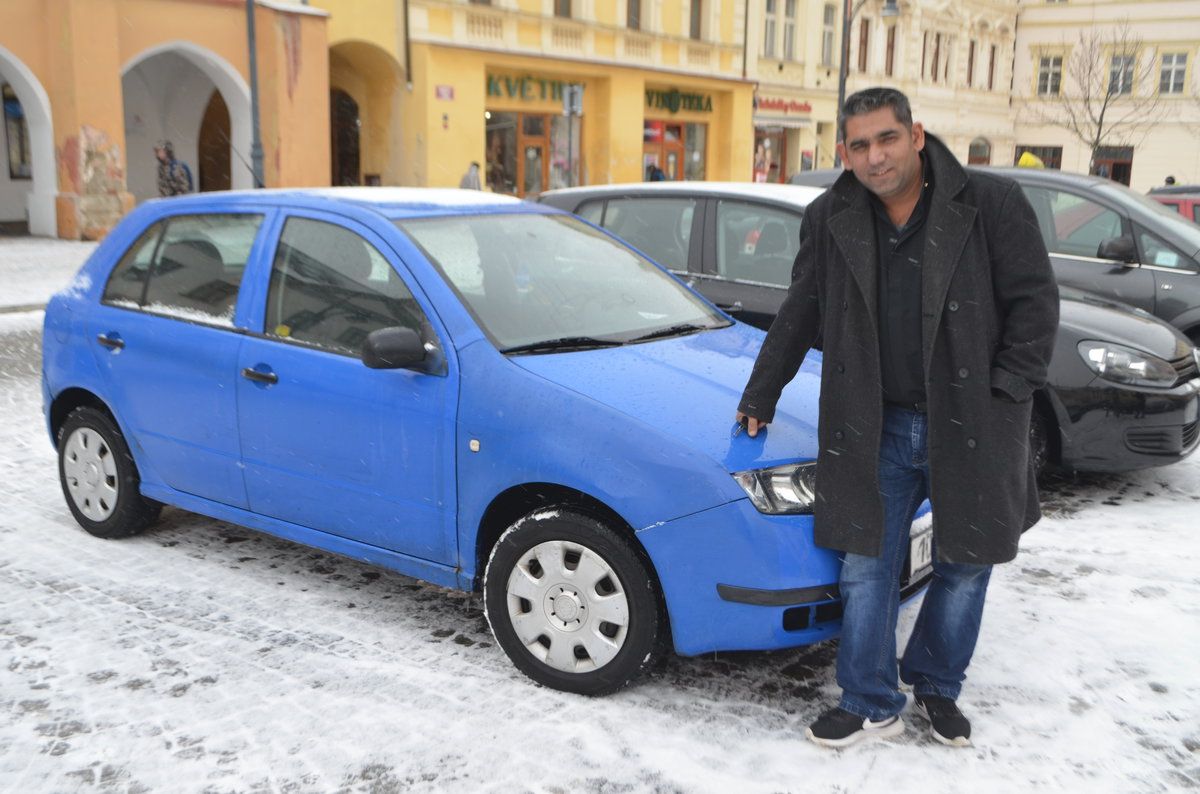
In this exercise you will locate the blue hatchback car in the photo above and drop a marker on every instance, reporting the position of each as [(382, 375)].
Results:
[(475, 391)]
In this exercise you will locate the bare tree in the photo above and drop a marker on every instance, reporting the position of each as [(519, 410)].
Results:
[(1109, 96)]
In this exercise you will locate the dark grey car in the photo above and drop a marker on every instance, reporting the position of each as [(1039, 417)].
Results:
[(1124, 387), (1107, 239)]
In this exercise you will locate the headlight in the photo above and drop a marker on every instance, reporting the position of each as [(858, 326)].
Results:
[(1126, 365), (781, 490)]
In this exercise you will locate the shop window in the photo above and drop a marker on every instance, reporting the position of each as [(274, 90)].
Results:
[(528, 153), (16, 131)]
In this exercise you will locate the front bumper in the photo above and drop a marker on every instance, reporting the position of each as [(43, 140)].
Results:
[(736, 579), (1122, 428)]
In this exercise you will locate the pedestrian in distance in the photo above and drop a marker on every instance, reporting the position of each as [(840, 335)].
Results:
[(470, 180), (932, 291), (174, 177)]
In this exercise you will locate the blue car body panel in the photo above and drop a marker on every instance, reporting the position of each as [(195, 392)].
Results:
[(378, 465)]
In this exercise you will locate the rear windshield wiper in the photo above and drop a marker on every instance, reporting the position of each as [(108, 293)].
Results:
[(563, 343), (675, 330)]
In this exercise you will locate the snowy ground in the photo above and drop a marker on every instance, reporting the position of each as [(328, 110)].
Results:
[(202, 657)]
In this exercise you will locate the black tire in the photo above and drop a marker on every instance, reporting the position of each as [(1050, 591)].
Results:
[(1039, 442), (640, 641), (129, 512)]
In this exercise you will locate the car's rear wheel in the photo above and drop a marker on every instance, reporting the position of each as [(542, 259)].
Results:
[(99, 478), (1039, 441), (572, 603)]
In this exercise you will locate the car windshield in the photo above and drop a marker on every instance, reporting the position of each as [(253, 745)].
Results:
[(553, 282), (1187, 233)]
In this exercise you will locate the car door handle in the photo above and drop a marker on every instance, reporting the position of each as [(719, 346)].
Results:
[(260, 377), (111, 341)]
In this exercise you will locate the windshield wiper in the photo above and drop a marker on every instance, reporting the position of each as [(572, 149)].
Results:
[(674, 330), (563, 343)]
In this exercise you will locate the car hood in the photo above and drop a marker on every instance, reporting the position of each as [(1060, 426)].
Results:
[(688, 387), (1094, 317)]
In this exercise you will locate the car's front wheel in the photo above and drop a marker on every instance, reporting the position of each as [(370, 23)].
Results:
[(99, 478), (572, 603)]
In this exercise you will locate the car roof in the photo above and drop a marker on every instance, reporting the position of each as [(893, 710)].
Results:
[(392, 202), (754, 190)]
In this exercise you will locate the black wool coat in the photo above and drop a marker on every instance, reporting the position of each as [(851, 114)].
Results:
[(990, 312)]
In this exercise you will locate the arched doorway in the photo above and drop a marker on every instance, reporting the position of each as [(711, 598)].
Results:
[(28, 174), (366, 92), (213, 148), (169, 95), (980, 152), (345, 127)]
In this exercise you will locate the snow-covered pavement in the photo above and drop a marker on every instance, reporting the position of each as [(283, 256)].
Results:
[(202, 657)]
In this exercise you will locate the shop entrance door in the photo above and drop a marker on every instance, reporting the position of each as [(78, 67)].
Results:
[(533, 165)]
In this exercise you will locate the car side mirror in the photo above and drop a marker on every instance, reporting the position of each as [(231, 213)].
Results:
[(1120, 249), (393, 348)]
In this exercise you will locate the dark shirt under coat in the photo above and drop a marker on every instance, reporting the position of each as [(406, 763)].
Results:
[(900, 250), (989, 311)]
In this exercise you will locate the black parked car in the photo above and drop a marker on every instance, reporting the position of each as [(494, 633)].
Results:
[(1123, 386), (1107, 239)]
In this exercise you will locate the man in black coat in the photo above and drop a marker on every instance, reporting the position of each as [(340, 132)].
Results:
[(933, 294)]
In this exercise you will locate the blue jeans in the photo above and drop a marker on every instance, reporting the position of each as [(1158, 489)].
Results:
[(943, 639)]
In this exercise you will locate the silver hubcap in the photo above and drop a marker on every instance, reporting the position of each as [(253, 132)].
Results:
[(567, 606), (91, 474)]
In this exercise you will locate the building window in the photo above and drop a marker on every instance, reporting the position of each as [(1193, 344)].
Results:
[(864, 39), (481, 2), (789, 29), (1174, 69), (562, 8), (946, 61), (16, 131), (1120, 75), (827, 35), (937, 54), (992, 69), (633, 14), (1051, 156), (890, 63), (769, 29), (924, 52), (980, 152), (697, 18), (971, 64), (1049, 80)]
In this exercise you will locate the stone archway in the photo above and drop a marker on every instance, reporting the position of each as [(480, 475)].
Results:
[(36, 199), (167, 92)]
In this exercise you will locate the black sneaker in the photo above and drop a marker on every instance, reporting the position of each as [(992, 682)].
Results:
[(946, 723), (839, 728)]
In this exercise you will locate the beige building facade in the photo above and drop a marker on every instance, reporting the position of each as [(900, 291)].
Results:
[(1156, 86)]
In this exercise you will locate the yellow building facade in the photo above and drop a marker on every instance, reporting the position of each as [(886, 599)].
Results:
[(487, 84), (90, 86)]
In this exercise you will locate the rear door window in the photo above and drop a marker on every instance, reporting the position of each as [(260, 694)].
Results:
[(188, 267), (756, 242), (659, 227)]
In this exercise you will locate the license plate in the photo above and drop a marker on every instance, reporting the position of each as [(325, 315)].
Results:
[(920, 553)]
